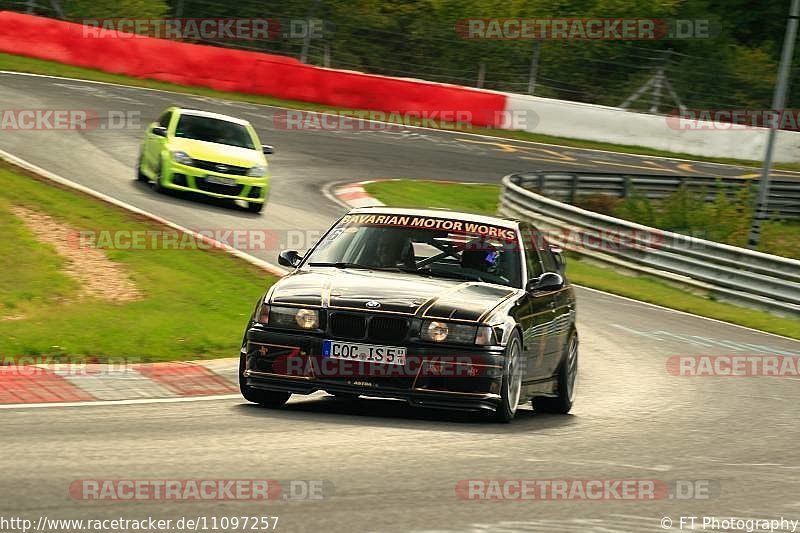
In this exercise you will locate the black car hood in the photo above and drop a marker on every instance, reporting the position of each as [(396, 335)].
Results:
[(395, 292)]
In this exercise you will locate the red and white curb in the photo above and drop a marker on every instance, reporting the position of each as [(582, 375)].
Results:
[(73, 382), (354, 195)]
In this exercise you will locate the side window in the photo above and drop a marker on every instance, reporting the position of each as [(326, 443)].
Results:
[(548, 260), (532, 241), (164, 120)]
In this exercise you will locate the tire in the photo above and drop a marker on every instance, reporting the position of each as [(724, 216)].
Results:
[(511, 386), (565, 381), (140, 176), (254, 207), (156, 185), (266, 398)]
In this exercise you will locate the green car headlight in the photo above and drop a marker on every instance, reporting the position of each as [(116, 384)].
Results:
[(257, 171), (293, 317), (439, 331), (182, 157)]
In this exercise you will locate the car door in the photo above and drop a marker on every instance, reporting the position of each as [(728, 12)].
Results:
[(536, 316), (154, 143), (563, 310)]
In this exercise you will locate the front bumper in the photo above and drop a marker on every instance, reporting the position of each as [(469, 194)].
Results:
[(185, 178), (466, 379)]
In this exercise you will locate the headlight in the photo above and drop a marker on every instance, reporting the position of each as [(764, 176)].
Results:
[(437, 331), (307, 319), (257, 171), (292, 317), (262, 315), (487, 336), (182, 157)]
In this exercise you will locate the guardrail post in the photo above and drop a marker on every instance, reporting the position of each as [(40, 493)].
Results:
[(573, 188), (541, 181), (626, 186)]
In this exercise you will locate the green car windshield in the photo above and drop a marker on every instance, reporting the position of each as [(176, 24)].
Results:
[(435, 247), (213, 130)]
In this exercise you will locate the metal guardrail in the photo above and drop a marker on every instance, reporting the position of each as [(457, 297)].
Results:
[(784, 194), (735, 274)]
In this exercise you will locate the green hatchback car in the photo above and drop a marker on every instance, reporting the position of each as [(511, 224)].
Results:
[(207, 153)]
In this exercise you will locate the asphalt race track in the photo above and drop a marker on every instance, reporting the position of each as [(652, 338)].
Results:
[(387, 467)]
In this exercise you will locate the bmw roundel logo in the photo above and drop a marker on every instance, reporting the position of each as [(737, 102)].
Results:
[(372, 304)]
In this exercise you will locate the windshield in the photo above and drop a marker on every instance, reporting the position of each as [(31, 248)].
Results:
[(436, 247), (213, 130)]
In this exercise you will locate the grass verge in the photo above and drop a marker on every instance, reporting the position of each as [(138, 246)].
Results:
[(39, 66), (484, 198), (195, 305)]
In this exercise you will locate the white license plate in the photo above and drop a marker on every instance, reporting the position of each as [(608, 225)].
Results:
[(220, 181), (371, 353)]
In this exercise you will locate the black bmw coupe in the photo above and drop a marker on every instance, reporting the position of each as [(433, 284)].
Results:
[(440, 309)]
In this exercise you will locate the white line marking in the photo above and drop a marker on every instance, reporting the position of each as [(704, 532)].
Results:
[(686, 313), (655, 468), (137, 401), (451, 132)]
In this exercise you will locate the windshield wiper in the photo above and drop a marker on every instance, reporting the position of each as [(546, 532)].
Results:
[(335, 264), (428, 271), (345, 264)]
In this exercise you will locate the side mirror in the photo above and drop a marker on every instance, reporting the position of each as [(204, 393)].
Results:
[(549, 281), (289, 258), (160, 131), (267, 149)]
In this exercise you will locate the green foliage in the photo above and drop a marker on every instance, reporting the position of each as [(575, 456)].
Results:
[(104, 9), (726, 218), (638, 208), (682, 211), (734, 66), (781, 235), (599, 203)]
